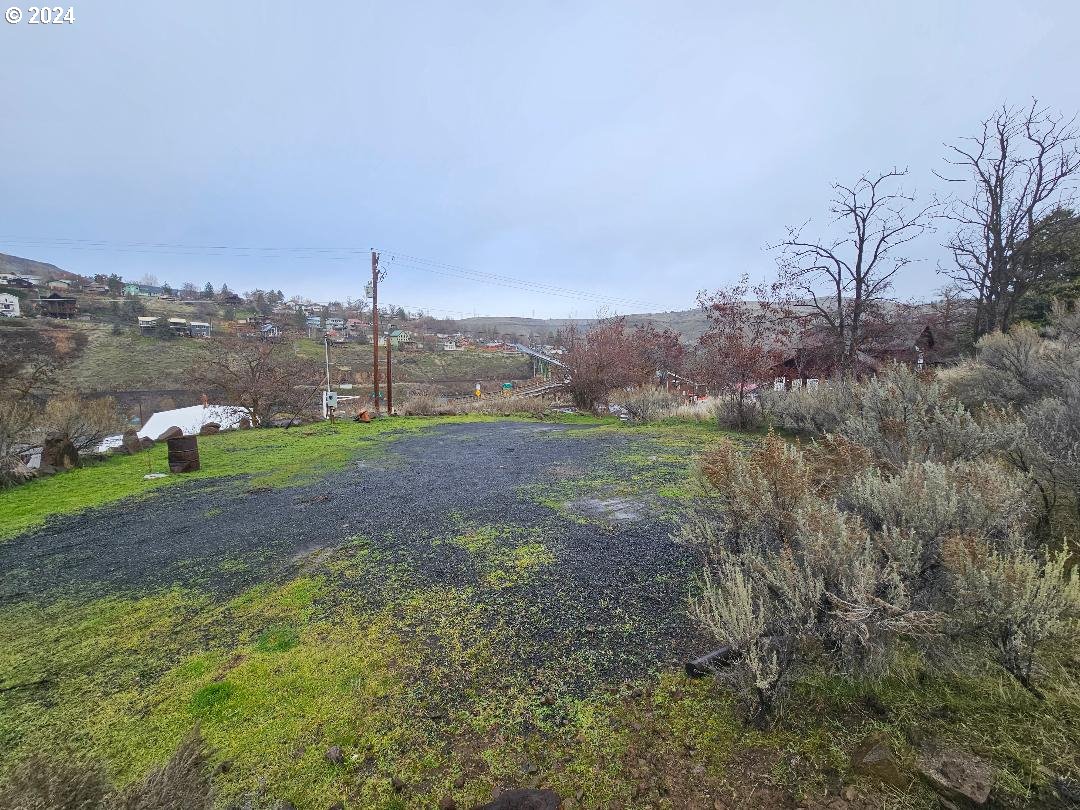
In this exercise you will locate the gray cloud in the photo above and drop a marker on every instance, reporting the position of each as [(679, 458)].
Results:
[(635, 149)]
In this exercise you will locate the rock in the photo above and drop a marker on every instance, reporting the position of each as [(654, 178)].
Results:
[(225, 766), (958, 776), (245, 423), (447, 803), (334, 755), (146, 442), (398, 784), (59, 452), (13, 472), (45, 470), (209, 429), (524, 800), (874, 757), (131, 441), (459, 783), (170, 433)]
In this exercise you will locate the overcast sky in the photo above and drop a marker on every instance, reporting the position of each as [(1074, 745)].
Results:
[(640, 151)]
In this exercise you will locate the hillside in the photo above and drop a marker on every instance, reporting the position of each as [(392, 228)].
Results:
[(132, 362), (31, 267), (690, 323)]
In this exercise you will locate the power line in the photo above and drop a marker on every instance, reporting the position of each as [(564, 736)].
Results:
[(324, 254)]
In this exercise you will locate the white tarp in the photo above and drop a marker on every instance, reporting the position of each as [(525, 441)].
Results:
[(190, 420)]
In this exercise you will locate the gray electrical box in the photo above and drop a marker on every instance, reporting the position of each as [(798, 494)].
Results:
[(331, 399)]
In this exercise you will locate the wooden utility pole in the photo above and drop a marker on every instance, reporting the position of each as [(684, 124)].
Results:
[(389, 381), (375, 326)]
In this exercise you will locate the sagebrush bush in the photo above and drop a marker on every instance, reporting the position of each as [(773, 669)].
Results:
[(834, 556), (647, 403), (1036, 380)]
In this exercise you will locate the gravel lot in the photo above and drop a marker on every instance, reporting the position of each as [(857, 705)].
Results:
[(614, 594)]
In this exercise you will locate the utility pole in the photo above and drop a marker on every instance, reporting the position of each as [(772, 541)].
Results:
[(389, 382), (326, 396), (375, 326)]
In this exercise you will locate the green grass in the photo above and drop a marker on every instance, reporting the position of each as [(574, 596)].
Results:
[(423, 682), (273, 457)]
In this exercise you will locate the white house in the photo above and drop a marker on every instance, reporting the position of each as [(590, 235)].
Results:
[(9, 306)]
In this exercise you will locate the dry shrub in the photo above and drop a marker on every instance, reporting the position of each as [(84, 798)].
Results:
[(85, 421), (856, 565), (647, 403), (183, 783), (729, 414), (40, 784), (426, 403)]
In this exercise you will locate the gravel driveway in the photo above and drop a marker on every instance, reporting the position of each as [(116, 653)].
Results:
[(615, 589)]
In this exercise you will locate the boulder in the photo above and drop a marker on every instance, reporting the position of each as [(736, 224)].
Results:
[(524, 800), (209, 429), (170, 433), (874, 757), (957, 776), (13, 472), (46, 470), (146, 442), (131, 441), (59, 452), (334, 755), (245, 423)]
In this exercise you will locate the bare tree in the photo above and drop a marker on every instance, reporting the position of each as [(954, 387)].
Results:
[(1020, 168), (844, 278), (265, 378)]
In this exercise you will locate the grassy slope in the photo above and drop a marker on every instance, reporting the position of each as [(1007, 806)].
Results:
[(129, 362), (422, 366), (407, 677)]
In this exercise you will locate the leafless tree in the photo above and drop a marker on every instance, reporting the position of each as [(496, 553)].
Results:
[(844, 278), (264, 377), (1019, 169)]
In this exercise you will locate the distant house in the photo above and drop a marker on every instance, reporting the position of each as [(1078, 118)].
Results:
[(199, 329), (268, 331), (399, 337), (59, 284), (179, 326), (147, 322), (98, 289), (9, 306), (58, 306), (133, 290), (451, 345)]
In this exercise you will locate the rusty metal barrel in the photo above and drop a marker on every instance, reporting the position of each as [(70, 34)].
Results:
[(183, 454)]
